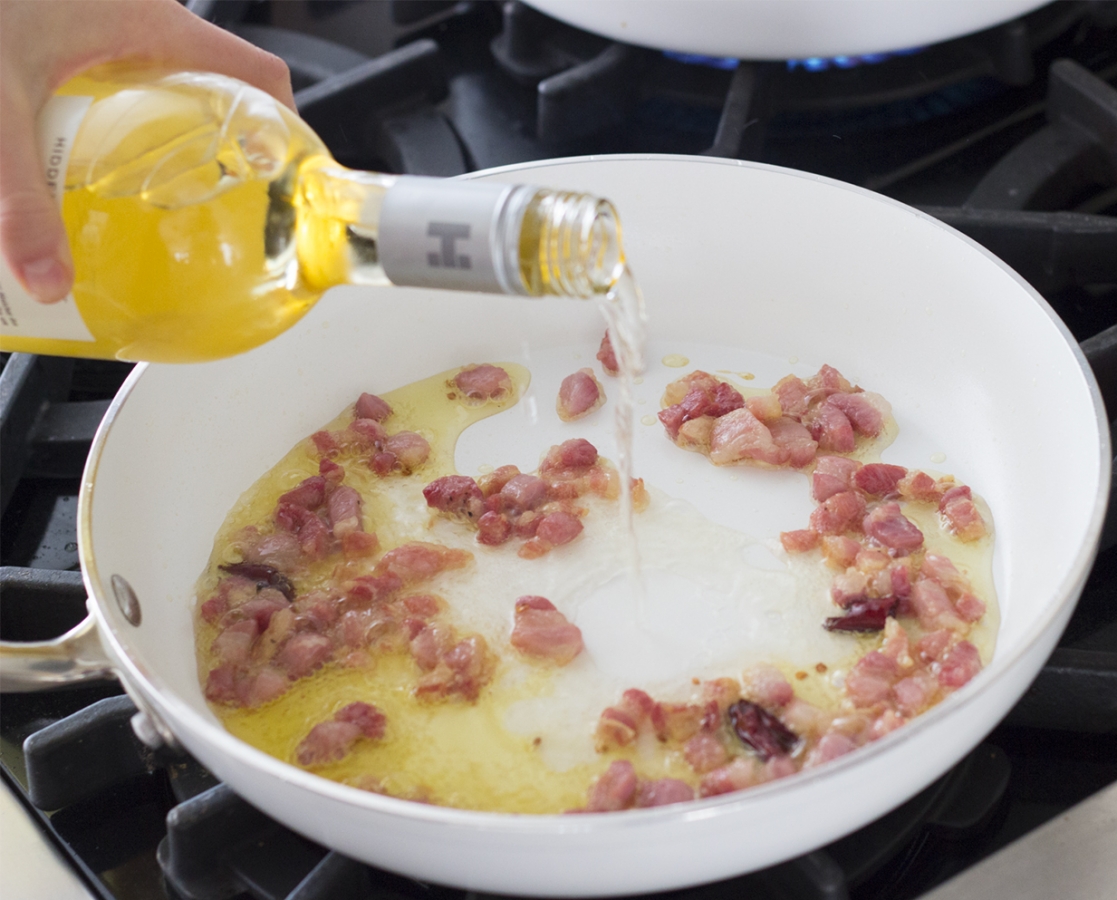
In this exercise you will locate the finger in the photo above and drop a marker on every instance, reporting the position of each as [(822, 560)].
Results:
[(193, 43), (32, 236)]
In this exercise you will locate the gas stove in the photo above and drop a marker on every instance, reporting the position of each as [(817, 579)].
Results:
[(1009, 135)]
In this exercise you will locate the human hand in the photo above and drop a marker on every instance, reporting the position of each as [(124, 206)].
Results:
[(44, 43)]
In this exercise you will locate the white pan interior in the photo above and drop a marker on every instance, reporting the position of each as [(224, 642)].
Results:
[(744, 267)]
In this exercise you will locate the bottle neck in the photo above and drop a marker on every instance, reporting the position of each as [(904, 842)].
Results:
[(358, 227)]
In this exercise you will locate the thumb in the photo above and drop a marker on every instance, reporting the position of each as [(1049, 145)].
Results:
[(32, 237)]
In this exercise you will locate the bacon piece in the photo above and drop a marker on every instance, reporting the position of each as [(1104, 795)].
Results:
[(969, 607), (330, 741), (607, 356), (799, 541), (418, 561), (849, 587), (961, 514), (919, 486), (303, 653), (493, 528), (705, 396), (794, 438), (558, 528), (579, 395), (932, 605), (325, 443), (263, 576), (879, 479), (793, 393), (456, 495), (932, 645), (705, 752), (959, 664), (765, 686), (914, 693), (483, 383), (615, 788), (741, 773), (832, 475), (830, 746), (410, 449), (279, 550), (662, 792), (695, 433), (828, 381), (543, 632), (760, 730), (494, 481), (869, 614), (574, 454), (831, 427), (314, 536), (463, 668), (369, 406), (364, 434), (678, 721), (839, 550), (618, 725), (523, 492), (740, 435), (234, 644), (310, 493), (839, 513), (861, 412), (870, 681), (256, 689), (344, 510), (888, 526), (766, 407)]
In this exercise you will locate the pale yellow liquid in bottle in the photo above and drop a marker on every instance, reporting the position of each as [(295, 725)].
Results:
[(182, 226)]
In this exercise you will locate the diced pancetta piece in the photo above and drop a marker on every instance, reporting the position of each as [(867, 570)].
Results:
[(793, 437), (263, 576), (914, 693), (577, 453), (523, 492), (303, 653), (615, 788), (765, 685), (310, 493), (932, 605), (879, 479), (870, 680), (662, 792), (279, 550), (793, 395), (410, 449), (314, 536), (364, 434), (558, 528), (418, 561), (961, 514), (743, 772), (494, 481), (618, 725), (830, 746), (344, 510), (541, 631), (463, 669), (861, 411), (579, 395), (958, 665), (839, 550), (493, 528), (369, 406), (483, 383), (800, 540), (679, 722), (695, 434), (886, 525), (330, 741), (919, 486), (740, 435), (458, 496), (705, 752), (969, 607), (766, 407), (607, 356), (839, 513), (831, 428), (832, 475)]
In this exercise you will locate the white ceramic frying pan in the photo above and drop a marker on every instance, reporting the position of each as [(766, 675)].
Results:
[(784, 29), (745, 267)]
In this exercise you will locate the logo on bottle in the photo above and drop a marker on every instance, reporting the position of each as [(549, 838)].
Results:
[(445, 257)]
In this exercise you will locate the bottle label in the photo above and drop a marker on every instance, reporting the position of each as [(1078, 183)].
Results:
[(459, 235), (21, 315)]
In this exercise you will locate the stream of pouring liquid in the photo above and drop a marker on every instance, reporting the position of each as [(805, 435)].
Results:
[(626, 319)]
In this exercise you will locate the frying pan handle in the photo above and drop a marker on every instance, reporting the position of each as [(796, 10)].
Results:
[(38, 665)]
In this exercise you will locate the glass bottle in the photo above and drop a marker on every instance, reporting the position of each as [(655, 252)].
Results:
[(205, 218)]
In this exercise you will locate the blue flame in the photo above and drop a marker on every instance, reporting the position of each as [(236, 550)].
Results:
[(823, 63), (696, 59)]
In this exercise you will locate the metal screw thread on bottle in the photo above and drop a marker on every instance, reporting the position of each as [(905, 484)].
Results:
[(570, 245)]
